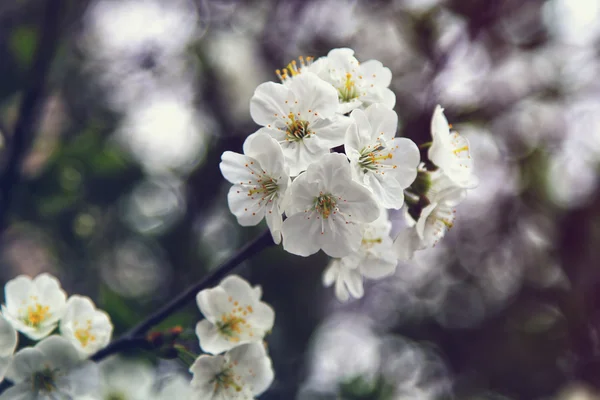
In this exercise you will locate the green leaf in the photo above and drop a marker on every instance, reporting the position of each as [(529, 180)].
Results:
[(23, 43)]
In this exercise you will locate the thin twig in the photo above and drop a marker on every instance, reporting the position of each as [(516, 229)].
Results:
[(131, 338), (24, 132)]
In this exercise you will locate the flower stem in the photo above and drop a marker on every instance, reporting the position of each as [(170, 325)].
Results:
[(425, 145), (261, 242)]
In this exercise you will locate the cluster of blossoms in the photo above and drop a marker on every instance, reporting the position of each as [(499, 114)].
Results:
[(236, 365), (35, 308), (328, 159)]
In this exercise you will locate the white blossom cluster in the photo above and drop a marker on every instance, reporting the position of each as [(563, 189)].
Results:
[(56, 367), (327, 158), (237, 365)]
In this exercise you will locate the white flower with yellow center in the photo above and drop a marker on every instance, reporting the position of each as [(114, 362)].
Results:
[(260, 180), (450, 151), (242, 373), (358, 84), (86, 327), (301, 117), (382, 162), (435, 219), (327, 210), (375, 259), (52, 369), (233, 314), (34, 307), (8, 344)]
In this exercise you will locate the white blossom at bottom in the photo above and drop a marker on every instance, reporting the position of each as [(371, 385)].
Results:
[(8, 344), (242, 373), (52, 369)]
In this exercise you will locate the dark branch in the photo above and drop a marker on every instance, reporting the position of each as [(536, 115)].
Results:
[(24, 132), (131, 338)]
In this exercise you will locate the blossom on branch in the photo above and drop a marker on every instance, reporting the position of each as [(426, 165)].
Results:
[(34, 306), (382, 162), (450, 151), (86, 327), (242, 373), (327, 210), (374, 259), (260, 181), (301, 117), (52, 369), (234, 315)]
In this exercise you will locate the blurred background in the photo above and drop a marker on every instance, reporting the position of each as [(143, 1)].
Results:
[(112, 183)]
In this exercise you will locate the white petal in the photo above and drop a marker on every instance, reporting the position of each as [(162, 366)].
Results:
[(234, 167), (339, 237), (382, 121), (211, 340), (213, 303), (247, 210), (239, 289), (274, 221), (8, 338), (268, 103), (406, 243), (263, 148), (358, 202), (253, 365), (25, 363), (204, 371), (314, 96), (375, 71), (301, 233)]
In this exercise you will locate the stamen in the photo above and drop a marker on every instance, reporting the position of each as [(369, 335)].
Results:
[(292, 69)]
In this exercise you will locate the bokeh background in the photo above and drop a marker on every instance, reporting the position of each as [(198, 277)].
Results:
[(116, 188)]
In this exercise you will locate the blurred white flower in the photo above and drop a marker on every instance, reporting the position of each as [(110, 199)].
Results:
[(301, 117), (375, 259), (242, 373), (327, 210), (176, 388), (8, 344), (164, 133), (357, 84), (260, 180), (126, 379), (450, 152), (234, 315), (87, 328), (50, 370), (34, 307), (435, 219), (385, 164)]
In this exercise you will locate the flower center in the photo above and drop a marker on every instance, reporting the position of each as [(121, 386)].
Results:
[(325, 204), (233, 324), (267, 188), (36, 314), (43, 381), (369, 243), (292, 68), (84, 335), (348, 91), (370, 158), (296, 129), (226, 379)]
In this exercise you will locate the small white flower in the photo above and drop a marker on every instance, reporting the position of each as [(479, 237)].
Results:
[(34, 307), (50, 370), (327, 210), (126, 379), (86, 327), (450, 151), (374, 259), (301, 117), (8, 344), (241, 374), (260, 180), (234, 315), (176, 388), (382, 162), (435, 219), (357, 84)]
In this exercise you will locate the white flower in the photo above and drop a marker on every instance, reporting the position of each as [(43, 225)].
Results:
[(8, 344), (260, 180), (176, 388), (234, 315), (357, 84), (126, 380), (327, 210), (242, 373), (435, 219), (450, 151), (50, 370), (301, 117), (382, 162), (34, 307), (86, 327), (374, 259)]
